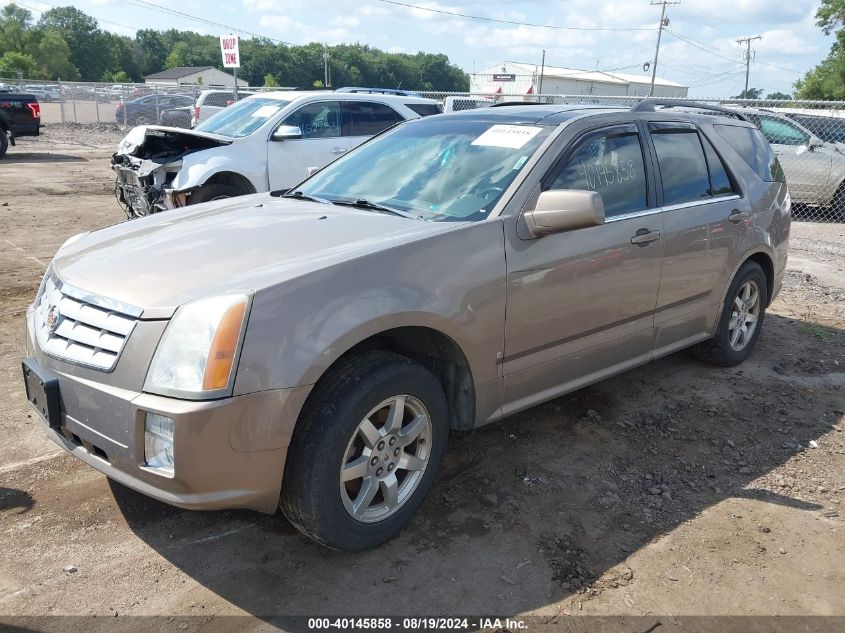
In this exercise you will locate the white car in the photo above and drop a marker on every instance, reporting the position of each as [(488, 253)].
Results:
[(210, 102), (267, 142)]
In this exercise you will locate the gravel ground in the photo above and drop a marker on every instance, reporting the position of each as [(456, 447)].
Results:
[(676, 489)]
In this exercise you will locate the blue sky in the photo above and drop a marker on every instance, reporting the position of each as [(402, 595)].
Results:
[(709, 61)]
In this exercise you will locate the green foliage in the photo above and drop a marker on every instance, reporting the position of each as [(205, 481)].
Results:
[(92, 54), (827, 80), (751, 93), (779, 96), (13, 62), (270, 81)]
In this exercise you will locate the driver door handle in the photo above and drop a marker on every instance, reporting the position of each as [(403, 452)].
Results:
[(737, 215), (644, 236)]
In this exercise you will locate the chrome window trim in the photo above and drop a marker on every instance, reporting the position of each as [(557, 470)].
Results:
[(673, 207), (703, 201)]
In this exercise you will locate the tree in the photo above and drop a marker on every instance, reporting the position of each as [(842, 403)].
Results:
[(827, 80), (83, 36), (779, 96), (54, 58), (15, 25), (270, 81), (751, 93), (11, 63)]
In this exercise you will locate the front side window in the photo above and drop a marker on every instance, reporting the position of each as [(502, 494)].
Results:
[(368, 119), (779, 132), (683, 168), (611, 163), (434, 168), (317, 120)]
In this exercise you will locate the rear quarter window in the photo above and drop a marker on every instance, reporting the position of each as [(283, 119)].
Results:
[(425, 109), (754, 149)]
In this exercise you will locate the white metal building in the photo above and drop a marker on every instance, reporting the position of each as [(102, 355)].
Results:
[(192, 75), (519, 79)]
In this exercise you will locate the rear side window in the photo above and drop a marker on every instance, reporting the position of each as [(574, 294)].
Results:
[(610, 162), (218, 99), (752, 146), (368, 119), (425, 109), (720, 182), (683, 168)]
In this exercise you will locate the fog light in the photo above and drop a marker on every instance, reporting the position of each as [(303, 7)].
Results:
[(158, 442)]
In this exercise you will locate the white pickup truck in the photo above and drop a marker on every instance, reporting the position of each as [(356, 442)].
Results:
[(266, 142)]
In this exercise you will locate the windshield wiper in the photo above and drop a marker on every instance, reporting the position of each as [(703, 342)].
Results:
[(361, 203), (298, 195)]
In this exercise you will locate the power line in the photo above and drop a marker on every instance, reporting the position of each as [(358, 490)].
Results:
[(55, 6), (694, 45), (693, 42), (156, 7), (502, 21), (748, 53)]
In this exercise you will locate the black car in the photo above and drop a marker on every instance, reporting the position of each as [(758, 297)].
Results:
[(20, 115), (177, 117), (827, 128), (147, 109)]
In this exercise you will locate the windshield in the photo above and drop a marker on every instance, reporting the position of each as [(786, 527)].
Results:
[(242, 118), (443, 170)]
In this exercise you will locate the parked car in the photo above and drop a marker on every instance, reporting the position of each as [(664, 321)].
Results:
[(146, 110), (5, 88), (815, 170), (20, 115), (827, 128), (312, 350), (210, 102), (266, 142), (45, 94), (383, 91), (177, 117)]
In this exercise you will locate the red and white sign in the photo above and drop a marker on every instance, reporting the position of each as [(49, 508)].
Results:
[(229, 50)]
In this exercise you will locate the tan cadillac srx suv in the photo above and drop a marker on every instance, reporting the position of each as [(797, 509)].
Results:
[(311, 349)]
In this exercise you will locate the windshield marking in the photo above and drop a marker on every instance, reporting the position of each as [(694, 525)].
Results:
[(509, 136)]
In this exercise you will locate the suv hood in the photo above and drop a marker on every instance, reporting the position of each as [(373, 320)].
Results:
[(248, 243), (157, 141)]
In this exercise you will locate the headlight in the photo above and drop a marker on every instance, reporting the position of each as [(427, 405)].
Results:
[(197, 354)]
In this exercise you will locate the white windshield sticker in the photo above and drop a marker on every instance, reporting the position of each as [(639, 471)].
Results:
[(512, 136), (265, 112)]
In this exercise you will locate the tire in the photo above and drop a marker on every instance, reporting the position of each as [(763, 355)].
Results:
[(315, 499), (143, 120), (4, 142), (727, 348), (837, 207), (218, 191)]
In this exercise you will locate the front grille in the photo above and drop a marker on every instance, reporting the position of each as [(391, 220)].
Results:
[(82, 329)]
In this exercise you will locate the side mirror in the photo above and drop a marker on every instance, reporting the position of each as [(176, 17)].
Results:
[(287, 133), (559, 210), (814, 142)]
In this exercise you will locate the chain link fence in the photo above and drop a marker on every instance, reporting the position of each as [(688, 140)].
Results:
[(807, 136)]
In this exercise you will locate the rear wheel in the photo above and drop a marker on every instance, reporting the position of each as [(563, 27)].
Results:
[(741, 320), (216, 191), (837, 207), (4, 142), (365, 452)]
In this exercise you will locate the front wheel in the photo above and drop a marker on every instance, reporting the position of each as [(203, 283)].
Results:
[(365, 452), (741, 320), (217, 191)]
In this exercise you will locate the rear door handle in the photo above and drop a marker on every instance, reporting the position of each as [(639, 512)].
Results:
[(737, 215), (338, 150), (644, 236)]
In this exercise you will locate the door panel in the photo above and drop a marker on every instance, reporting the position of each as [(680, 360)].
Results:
[(581, 303), (322, 141)]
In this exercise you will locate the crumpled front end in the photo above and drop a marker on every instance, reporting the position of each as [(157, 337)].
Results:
[(147, 161)]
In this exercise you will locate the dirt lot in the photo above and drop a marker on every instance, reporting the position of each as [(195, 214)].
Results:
[(675, 489)]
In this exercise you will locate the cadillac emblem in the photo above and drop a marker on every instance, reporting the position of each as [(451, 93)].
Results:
[(54, 317)]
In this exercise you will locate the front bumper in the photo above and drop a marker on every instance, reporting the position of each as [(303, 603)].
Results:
[(228, 453)]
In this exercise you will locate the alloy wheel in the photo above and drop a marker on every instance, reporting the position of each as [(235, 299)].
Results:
[(386, 458), (745, 313)]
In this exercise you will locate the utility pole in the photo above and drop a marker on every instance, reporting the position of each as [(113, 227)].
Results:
[(747, 41), (542, 72), (326, 69), (664, 21)]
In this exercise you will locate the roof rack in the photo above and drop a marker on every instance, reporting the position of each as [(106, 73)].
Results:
[(516, 103), (647, 105)]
